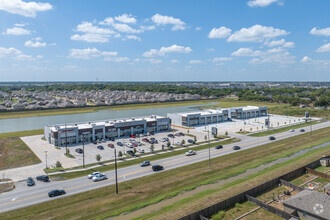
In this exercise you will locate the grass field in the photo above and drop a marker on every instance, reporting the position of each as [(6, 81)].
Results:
[(14, 153), (71, 175), (134, 194), (19, 114), (278, 130), (21, 133)]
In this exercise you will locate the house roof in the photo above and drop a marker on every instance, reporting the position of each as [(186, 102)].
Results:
[(312, 202)]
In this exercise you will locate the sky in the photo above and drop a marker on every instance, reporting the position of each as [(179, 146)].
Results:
[(186, 40)]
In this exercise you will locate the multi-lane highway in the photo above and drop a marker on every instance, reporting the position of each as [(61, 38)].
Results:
[(24, 196)]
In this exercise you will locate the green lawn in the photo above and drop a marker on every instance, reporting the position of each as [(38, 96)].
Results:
[(279, 130), (103, 203), (21, 133)]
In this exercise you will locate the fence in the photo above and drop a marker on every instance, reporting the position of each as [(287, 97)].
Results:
[(294, 187), (224, 204), (316, 173), (269, 208)]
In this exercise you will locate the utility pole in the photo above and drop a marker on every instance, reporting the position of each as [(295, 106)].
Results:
[(66, 140), (46, 158), (208, 134), (311, 121), (116, 171), (84, 133)]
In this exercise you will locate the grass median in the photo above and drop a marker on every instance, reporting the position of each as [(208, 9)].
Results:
[(279, 130), (134, 194), (137, 160)]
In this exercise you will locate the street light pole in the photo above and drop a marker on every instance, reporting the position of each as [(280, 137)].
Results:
[(83, 150), (116, 171), (66, 140), (46, 158), (208, 134)]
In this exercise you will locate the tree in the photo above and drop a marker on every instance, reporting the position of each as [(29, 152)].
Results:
[(152, 147), (98, 157), (195, 139), (163, 147), (58, 164), (183, 142), (168, 144), (205, 137), (226, 133), (134, 150), (188, 131), (120, 154), (67, 152)]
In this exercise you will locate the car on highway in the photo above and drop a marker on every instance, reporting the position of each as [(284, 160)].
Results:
[(145, 163), (79, 150), (140, 150), (302, 130), (90, 176), (218, 147), (130, 152), (272, 138), (30, 181), (99, 177), (236, 147), (56, 192), (190, 153), (170, 135), (100, 147), (191, 141), (120, 144), (157, 167), (292, 130), (43, 178), (111, 145)]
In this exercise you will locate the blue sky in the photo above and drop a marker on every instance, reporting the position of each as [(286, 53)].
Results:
[(186, 40)]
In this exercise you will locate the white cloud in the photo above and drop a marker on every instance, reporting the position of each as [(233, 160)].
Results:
[(14, 53), (147, 28), (20, 25), (126, 28), (246, 52), (195, 61), (260, 3), (308, 60), (164, 20), (324, 48), (125, 18), (276, 43), (88, 27), (116, 59), (133, 37), (17, 31), (93, 33), (320, 32), (27, 9), (221, 32), (91, 38), (221, 59), (174, 61), (107, 21), (40, 56), (89, 53), (154, 61), (24, 57), (36, 42), (164, 50), (198, 28), (256, 33)]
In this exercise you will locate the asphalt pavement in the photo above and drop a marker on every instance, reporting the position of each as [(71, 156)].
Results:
[(24, 196)]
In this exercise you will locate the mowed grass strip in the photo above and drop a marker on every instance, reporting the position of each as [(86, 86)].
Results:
[(21, 133), (14, 153), (71, 175), (87, 109), (213, 196), (278, 130), (138, 193)]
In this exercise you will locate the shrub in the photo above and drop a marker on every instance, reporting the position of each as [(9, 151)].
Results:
[(58, 164)]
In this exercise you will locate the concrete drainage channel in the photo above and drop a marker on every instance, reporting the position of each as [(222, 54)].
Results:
[(156, 207)]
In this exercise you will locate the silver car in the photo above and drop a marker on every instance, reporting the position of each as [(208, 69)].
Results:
[(99, 177), (90, 176)]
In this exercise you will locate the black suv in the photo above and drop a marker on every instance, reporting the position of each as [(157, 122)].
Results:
[(30, 181), (236, 148), (112, 139), (157, 167), (130, 152), (271, 138), (56, 192), (218, 147), (79, 150), (43, 178), (120, 144), (302, 130), (191, 141)]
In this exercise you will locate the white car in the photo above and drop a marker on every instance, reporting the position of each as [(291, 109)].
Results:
[(130, 145), (139, 143), (162, 140), (178, 143), (140, 150), (99, 177), (190, 153), (90, 176), (292, 130)]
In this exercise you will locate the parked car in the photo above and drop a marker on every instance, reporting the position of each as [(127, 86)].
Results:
[(150, 149), (132, 140), (218, 147), (190, 153), (90, 176), (95, 142), (120, 144), (56, 192), (100, 147), (111, 145), (145, 163), (178, 143), (181, 134), (157, 167), (140, 150), (236, 148), (166, 139), (292, 130), (162, 140), (139, 143), (112, 139), (170, 135), (103, 140), (30, 181), (43, 178), (271, 138), (191, 141), (134, 144), (130, 152), (302, 130), (129, 145), (153, 142), (99, 141), (79, 150), (99, 177), (145, 139), (132, 136)]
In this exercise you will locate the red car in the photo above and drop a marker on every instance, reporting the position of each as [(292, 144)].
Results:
[(132, 136), (111, 145), (134, 144), (145, 139)]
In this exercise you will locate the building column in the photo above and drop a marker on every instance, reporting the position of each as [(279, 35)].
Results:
[(93, 133), (118, 132), (104, 133), (132, 130), (145, 128)]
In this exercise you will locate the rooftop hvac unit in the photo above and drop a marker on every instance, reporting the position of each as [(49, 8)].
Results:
[(133, 119), (106, 121)]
